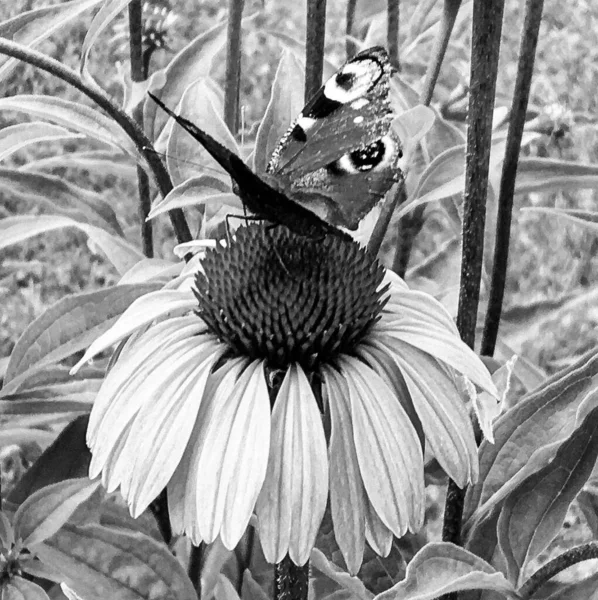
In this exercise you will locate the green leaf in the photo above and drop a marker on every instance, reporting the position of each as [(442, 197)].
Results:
[(17, 588), (61, 198), (66, 458), (225, 590), (109, 10), (71, 325), (538, 174), (533, 514), (286, 102), (588, 502), (87, 557), (585, 218), (324, 572), (118, 251), (441, 568), (586, 589), (528, 435), (16, 137), (48, 509), (75, 116), (31, 27)]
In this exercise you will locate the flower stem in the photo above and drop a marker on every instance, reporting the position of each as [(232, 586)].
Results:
[(291, 582), (143, 144), (233, 65), (392, 32), (388, 207), (315, 35), (525, 68), (558, 564), (485, 46), (137, 74), (195, 564)]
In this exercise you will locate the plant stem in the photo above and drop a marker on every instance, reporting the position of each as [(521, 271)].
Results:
[(525, 69), (392, 32), (390, 203), (137, 74), (350, 48), (141, 141), (486, 31), (555, 566), (315, 35), (290, 581), (195, 566), (233, 65)]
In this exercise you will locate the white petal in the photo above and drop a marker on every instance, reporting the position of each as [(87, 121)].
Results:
[(378, 536), (184, 484), (347, 494), (442, 411), (141, 312), (292, 502), (388, 449), (232, 466)]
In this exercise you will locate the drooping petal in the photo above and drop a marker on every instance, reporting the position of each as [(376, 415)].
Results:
[(388, 449), (441, 409), (378, 536), (141, 312), (186, 480), (347, 494), (232, 466), (292, 502)]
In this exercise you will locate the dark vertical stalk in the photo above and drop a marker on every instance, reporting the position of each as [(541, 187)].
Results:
[(233, 65), (290, 581), (392, 32), (315, 35), (525, 68), (410, 225), (138, 74), (195, 565), (388, 207), (350, 21), (485, 46)]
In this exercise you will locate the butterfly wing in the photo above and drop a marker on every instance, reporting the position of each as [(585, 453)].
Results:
[(263, 198), (340, 156)]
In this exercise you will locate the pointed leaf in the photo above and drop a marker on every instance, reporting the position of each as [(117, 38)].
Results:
[(31, 27), (585, 218), (48, 509), (73, 115), (71, 325), (441, 568), (16, 137), (99, 562), (17, 588), (322, 568), (534, 513), (537, 174), (286, 102)]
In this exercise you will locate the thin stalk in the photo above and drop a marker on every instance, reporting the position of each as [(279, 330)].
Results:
[(315, 35), (525, 69), (392, 201), (141, 141), (195, 565), (137, 75), (392, 32), (233, 65), (409, 227), (290, 581), (556, 565), (486, 31), (350, 21)]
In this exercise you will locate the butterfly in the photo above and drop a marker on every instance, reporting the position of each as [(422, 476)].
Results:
[(336, 161)]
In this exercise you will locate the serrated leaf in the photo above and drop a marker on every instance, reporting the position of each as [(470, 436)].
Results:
[(109, 10), (118, 251), (533, 514), (537, 174), (542, 419), (322, 567), (86, 556), (15, 137), (586, 218), (66, 458), (94, 161), (61, 198), (71, 325), (31, 27), (73, 115), (441, 568), (17, 588), (48, 509), (286, 102)]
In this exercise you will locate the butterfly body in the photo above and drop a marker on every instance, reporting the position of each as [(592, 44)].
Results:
[(336, 161)]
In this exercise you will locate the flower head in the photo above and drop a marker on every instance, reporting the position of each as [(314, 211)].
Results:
[(284, 372)]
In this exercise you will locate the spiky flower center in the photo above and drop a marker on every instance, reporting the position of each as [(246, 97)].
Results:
[(276, 296)]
